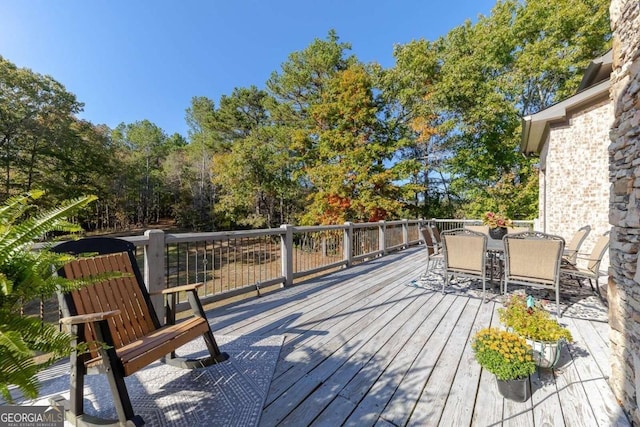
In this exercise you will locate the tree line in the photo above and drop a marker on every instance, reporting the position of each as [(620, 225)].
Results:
[(327, 139)]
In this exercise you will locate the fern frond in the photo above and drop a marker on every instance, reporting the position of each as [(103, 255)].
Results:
[(24, 276), (32, 228), (15, 206)]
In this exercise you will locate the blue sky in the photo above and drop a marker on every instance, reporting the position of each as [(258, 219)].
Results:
[(133, 60)]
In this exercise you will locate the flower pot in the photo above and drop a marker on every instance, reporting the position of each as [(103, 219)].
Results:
[(546, 354), (497, 233), (517, 390)]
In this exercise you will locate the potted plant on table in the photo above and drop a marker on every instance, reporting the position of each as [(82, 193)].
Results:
[(497, 223), (528, 318), (509, 358)]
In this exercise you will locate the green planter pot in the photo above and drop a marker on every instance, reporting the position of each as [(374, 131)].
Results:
[(517, 390)]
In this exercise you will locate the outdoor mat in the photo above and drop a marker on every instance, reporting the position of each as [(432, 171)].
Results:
[(576, 301), (231, 393)]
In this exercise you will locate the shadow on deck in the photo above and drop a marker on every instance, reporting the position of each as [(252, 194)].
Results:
[(380, 344)]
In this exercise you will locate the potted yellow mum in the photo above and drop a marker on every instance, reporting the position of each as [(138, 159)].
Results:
[(509, 358)]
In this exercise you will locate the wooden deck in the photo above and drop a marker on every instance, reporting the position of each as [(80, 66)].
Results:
[(366, 346)]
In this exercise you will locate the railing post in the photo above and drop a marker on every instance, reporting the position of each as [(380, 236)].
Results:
[(405, 233), (347, 244), (154, 268), (382, 244), (286, 254)]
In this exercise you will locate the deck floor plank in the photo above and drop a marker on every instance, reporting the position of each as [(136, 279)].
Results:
[(395, 332), (406, 396), (518, 414), (458, 410), (606, 411), (277, 305), (592, 342), (546, 402), (431, 403), (357, 388), (424, 323), (351, 342), (374, 318), (329, 330), (575, 405), (367, 346), (314, 335), (369, 405), (302, 307)]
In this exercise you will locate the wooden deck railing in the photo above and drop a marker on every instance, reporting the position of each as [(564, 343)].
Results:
[(233, 263)]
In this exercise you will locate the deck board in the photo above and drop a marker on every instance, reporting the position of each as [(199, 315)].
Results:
[(366, 346), (336, 341), (369, 405), (393, 332), (406, 396), (434, 395), (573, 398), (601, 399), (545, 399), (489, 404), (457, 410)]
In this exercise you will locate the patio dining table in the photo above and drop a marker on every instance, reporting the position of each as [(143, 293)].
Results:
[(495, 249)]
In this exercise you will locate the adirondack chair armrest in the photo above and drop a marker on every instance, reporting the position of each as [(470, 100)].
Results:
[(87, 318), (192, 296), (176, 289)]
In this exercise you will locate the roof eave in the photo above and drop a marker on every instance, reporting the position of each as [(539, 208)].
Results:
[(536, 126)]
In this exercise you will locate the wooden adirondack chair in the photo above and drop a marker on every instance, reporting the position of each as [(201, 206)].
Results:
[(118, 312)]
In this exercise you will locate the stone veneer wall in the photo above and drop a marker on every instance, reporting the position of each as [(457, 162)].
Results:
[(574, 178), (624, 151)]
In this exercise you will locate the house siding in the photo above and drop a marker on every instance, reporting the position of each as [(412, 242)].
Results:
[(574, 175), (624, 158)]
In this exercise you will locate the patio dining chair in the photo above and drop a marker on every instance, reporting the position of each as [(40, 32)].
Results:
[(434, 250), (573, 247), (593, 261), (465, 254), (533, 259)]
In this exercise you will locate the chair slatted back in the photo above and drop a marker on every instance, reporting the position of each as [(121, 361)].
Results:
[(124, 290), (121, 293)]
